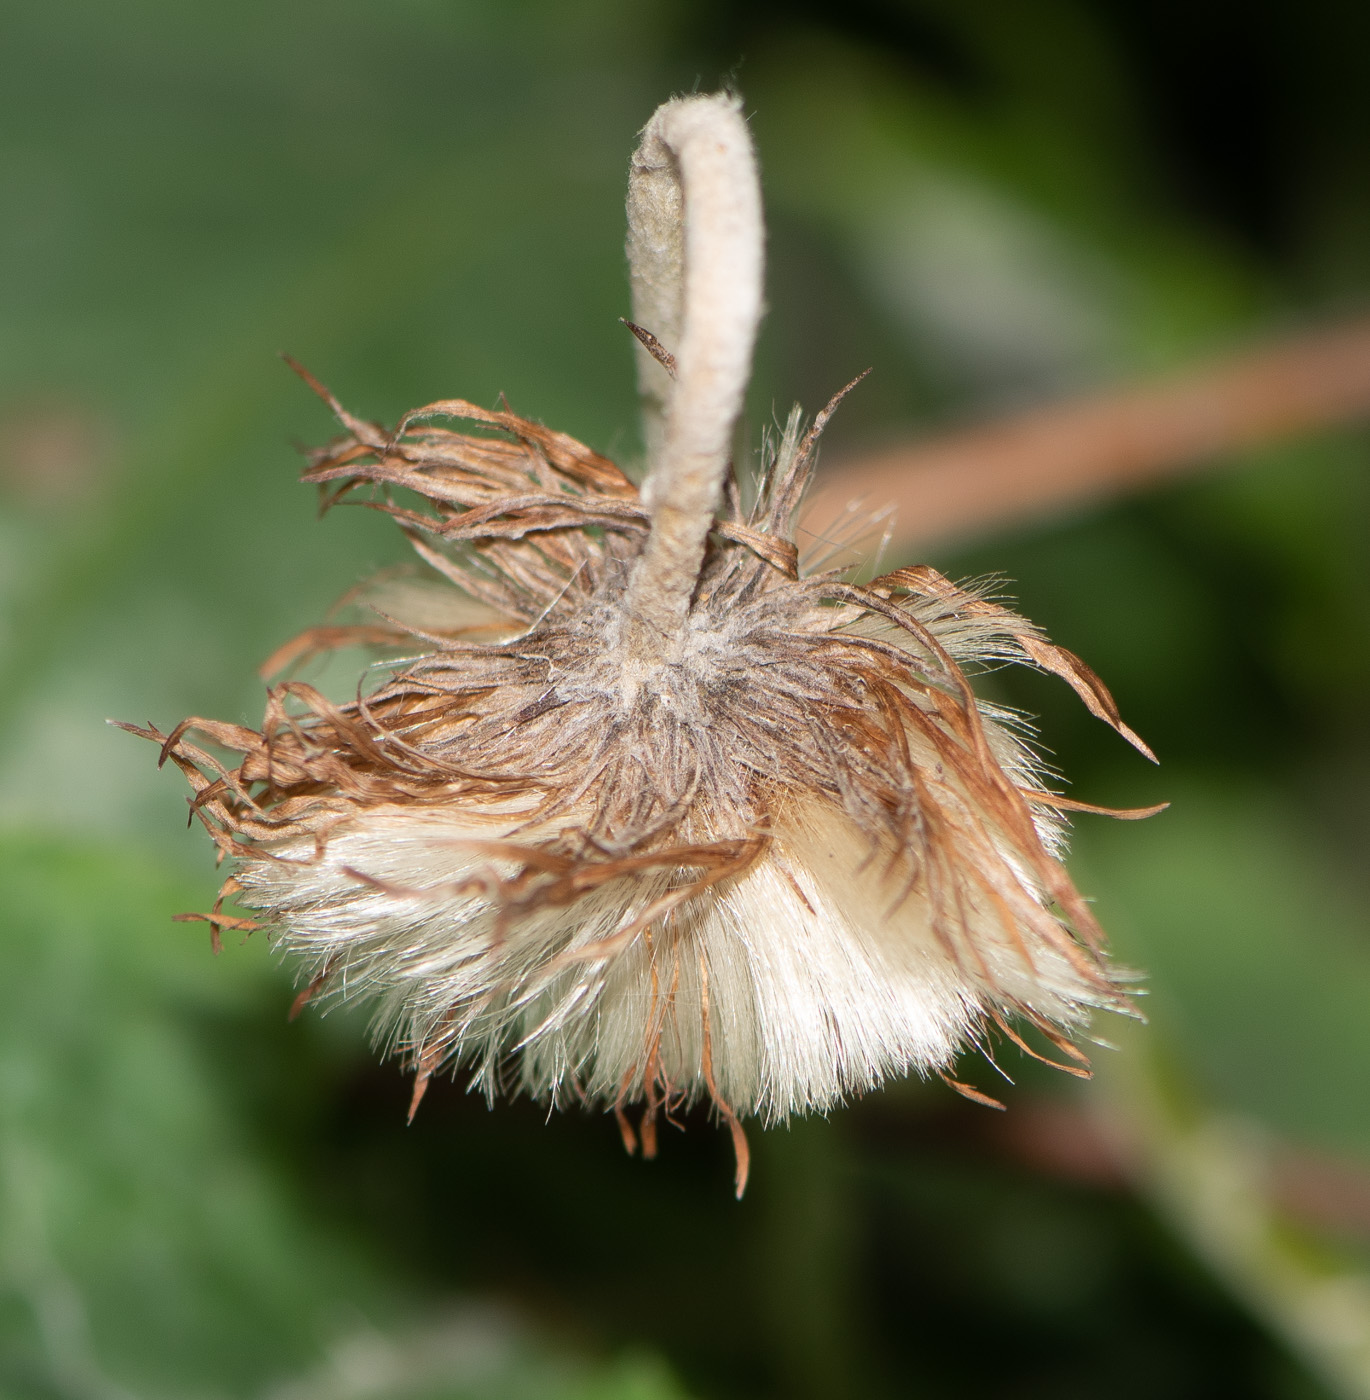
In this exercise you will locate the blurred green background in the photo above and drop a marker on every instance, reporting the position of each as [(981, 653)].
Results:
[(994, 202)]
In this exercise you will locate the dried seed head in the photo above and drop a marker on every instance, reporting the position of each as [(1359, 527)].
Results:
[(650, 809)]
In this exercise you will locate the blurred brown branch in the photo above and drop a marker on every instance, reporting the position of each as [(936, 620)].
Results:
[(1060, 1137), (1051, 458)]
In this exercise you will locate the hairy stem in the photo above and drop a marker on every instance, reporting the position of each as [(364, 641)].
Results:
[(695, 248)]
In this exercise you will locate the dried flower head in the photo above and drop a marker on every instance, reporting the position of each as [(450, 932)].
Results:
[(650, 811)]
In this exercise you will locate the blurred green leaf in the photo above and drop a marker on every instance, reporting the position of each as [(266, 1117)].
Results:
[(147, 1246)]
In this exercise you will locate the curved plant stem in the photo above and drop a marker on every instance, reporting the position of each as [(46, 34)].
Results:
[(695, 248)]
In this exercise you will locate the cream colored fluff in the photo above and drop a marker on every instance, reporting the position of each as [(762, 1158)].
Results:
[(823, 982)]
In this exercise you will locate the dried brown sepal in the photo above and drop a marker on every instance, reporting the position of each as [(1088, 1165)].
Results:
[(1081, 678), (652, 346), (969, 1091)]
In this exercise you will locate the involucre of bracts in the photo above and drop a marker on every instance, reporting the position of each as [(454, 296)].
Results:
[(791, 858)]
